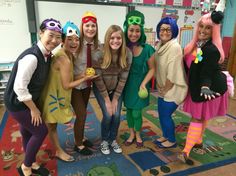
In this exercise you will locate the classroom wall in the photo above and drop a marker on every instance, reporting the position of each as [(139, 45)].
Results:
[(14, 33), (229, 18), (106, 15), (153, 15)]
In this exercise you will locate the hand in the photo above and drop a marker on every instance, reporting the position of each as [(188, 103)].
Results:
[(36, 119), (90, 77), (114, 105), (161, 91), (108, 106), (79, 76), (208, 93), (142, 86)]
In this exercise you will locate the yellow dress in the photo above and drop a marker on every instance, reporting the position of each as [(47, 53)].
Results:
[(56, 101)]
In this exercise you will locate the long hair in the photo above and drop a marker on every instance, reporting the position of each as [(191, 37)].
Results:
[(216, 37), (122, 52)]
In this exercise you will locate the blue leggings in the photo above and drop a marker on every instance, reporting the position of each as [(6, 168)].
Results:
[(165, 110)]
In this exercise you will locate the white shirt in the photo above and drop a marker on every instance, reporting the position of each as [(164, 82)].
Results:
[(26, 67)]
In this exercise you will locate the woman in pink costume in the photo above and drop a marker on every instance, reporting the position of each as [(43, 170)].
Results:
[(208, 94)]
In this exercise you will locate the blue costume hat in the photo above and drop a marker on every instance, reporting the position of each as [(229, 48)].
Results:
[(70, 29)]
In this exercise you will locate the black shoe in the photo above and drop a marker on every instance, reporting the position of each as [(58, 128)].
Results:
[(84, 151), (20, 171), (87, 143), (42, 171), (198, 145)]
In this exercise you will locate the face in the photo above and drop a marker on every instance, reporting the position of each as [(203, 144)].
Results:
[(115, 40), (134, 33), (50, 39), (204, 32), (165, 33), (71, 43), (89, 29)]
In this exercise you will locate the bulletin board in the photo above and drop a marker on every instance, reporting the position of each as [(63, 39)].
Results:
[(106, 15), (186, 19)]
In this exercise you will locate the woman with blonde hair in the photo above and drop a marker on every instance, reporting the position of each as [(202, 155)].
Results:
[(112, 65)]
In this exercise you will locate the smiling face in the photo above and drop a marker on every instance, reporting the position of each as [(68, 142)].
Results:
[(165, 33), (134, 33), (50, 39), (204, 32), (89, 30), (115, 40), (71, 43)]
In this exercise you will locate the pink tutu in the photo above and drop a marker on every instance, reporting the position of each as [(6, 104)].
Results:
[(208, 109)]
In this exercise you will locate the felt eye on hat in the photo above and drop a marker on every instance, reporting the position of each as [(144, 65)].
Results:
[(134, 20), (53, 25)]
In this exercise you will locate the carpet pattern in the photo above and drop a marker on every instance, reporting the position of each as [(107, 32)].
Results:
[(219, 147)]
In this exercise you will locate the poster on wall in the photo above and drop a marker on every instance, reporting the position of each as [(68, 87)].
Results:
[(161, 2), (196, 3), (178, 3), (138, 1)]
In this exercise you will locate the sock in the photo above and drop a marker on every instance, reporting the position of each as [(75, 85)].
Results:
[(200, 140), (194, 133)]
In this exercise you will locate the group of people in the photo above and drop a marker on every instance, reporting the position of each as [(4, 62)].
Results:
[(43, 91)]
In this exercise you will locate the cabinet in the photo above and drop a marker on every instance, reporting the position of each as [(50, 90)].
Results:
[(5, 71)]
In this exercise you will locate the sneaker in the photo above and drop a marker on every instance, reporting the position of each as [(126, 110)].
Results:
[(116, 148), (105, 148)]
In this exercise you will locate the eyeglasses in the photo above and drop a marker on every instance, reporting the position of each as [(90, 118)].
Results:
[(89, 18), (134, 20), (54, 26), (168, 30)]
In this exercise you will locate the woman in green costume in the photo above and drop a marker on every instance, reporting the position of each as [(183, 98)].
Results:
[(140, 70)]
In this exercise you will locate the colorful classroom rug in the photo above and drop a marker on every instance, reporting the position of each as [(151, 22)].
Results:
[(219, 148)]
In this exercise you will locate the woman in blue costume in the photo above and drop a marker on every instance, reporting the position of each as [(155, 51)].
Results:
[(139, 71)]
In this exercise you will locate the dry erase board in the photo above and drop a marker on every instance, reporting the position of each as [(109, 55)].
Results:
[(14, 33), (106, 15)]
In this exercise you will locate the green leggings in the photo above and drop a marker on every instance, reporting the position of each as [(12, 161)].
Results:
[(134, 118)]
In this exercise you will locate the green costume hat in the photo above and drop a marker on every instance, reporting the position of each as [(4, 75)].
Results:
[(135, 18)]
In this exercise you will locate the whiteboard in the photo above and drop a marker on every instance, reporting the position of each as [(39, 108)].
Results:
[(14, 33), (106, 15)]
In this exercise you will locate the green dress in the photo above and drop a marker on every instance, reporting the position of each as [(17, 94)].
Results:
[(138, 70), (56, 101)]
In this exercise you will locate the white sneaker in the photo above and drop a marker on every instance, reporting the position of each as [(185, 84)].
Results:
[(116, 148), (105, 148)]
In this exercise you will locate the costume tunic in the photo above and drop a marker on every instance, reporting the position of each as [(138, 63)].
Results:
[(137, 73), (56, 100)]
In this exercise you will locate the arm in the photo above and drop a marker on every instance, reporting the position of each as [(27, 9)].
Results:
[(166, 88), (96, 64), (123, 76), (175, 74), (26, 68), (150, 74), (64, 66), (210, 64)]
